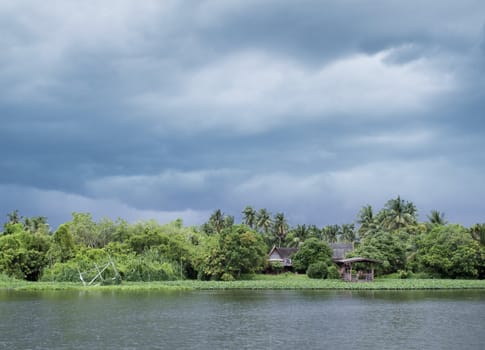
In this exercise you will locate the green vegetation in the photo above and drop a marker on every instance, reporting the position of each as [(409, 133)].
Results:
[(282, 281), (223, 251)]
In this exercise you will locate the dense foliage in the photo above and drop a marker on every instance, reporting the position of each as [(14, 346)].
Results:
[(221, 249)]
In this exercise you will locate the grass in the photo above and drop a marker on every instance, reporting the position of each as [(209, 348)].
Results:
[(256, 282)]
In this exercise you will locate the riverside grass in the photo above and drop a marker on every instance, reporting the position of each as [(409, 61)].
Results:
[(256, 282)]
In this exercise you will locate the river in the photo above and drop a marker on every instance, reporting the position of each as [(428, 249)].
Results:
[(243, 320)]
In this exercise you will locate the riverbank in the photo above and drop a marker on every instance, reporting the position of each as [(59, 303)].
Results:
[(256, 282)]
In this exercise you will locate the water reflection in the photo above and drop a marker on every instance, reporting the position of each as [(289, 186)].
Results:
[(243, 319)]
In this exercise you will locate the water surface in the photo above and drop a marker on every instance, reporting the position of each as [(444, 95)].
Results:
[(243, 320)]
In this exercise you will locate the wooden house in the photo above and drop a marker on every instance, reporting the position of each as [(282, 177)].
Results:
[(357, 269), (282, 255)]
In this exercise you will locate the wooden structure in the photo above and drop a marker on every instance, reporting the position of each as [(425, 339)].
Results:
[(339, 250), (347, 273), (282, 255), (363, 272)]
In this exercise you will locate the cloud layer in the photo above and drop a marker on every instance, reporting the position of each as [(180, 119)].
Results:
[(167, 109)]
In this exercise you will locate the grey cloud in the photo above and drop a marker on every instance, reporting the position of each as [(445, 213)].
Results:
[(267, 102)]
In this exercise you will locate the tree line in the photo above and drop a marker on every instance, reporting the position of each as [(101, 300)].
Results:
[(222, 249)]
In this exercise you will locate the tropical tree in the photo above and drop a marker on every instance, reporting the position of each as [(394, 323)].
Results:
[(398, 214), (36, 224), (263, 220), (62, 247), (385, 247), (83, 229), (249, 216), (310, 252), (301, 231), (477, 232), (24, 255), (437, 218), (280, 227), (450, 252), (216, 222), (331, 233), (348, 233), (227, 255), (296, 235), (366, 220), (14, 217)]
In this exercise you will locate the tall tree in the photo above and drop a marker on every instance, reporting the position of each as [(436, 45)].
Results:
[(14, 217), (216, 221), (437, 218), (263, 220), (280, 227), (399, 213), (249, 216), (83, 229), (301, 232), (477, 232), (348, 233), (36, 224), (331, 233), (366, 220)]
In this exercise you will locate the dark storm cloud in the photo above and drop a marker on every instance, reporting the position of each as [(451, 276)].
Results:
[(312, 108)]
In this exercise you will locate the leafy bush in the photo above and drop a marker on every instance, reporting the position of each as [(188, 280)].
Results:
[(312, 251), (317, 270), (277, 267), (227, 277), (333, 272), (450, 252)]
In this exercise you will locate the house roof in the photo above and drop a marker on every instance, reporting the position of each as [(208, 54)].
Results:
[(284, 253), (340, 249), (357, 259)]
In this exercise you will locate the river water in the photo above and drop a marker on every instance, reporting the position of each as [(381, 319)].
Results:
[(243, 320)]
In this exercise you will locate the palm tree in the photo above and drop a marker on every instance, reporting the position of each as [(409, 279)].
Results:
[(478, 233), (301, 232), (331, 233), (263, 220), (14, 217), (216, 220), (348, 233), (366, 220), (399, 213), (249, 216), (437, 218), (280, 227), (36, 224)]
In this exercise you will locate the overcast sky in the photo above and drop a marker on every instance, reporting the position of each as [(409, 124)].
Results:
[(167, 109)]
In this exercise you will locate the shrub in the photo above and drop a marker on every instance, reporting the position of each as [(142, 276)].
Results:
[(317, 270), (333, 272), (277, 267), (227, 277)]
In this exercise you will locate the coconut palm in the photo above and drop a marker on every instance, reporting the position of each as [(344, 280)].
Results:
[(14, 217), (331, 233), (280, 227), (366, 220), (301, 232), (263, 220), (216, 221), (399, 213), (478, 233), (437, 218), (249, 216), (348, 233)]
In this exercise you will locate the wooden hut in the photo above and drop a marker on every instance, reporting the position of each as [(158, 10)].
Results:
[(282, 255), (347, 273)]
